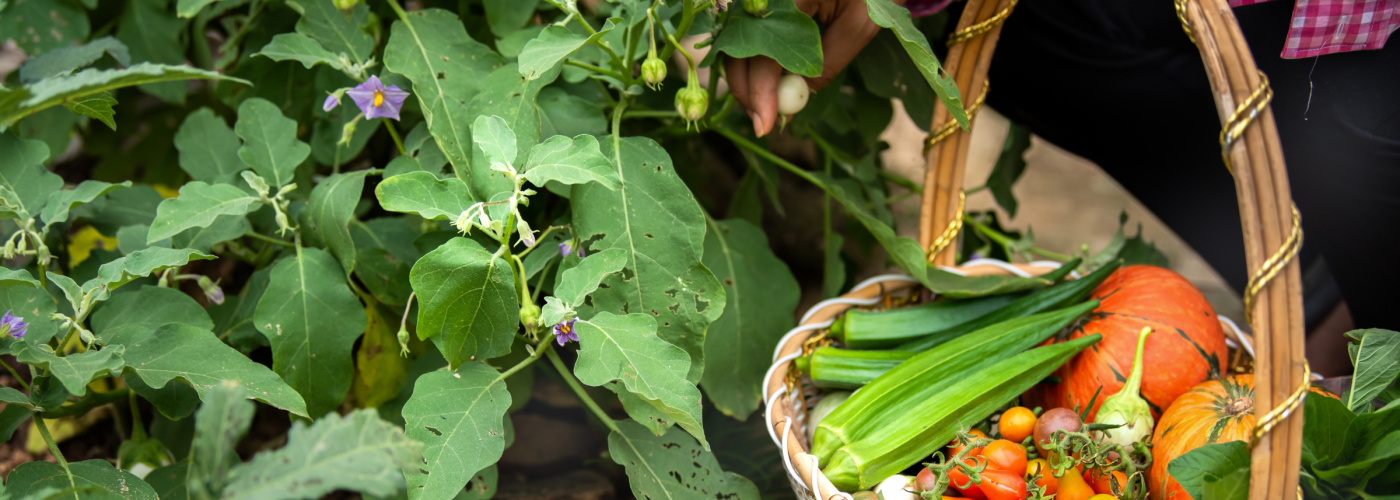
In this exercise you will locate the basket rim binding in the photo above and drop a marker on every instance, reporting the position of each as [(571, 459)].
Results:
[(803, 469)]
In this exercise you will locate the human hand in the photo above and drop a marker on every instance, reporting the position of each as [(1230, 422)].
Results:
[(754, 80)]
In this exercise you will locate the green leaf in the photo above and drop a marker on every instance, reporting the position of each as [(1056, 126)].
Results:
[(887, 72), (208, 147), (300, 48), (888, 15), (270, 143), (33, 305), (1009, 167), (784, 34), (672, 466), (61, 202), (627, 348), (457, 415), (958, 286), (467, 301), (224, 228), (422, 193), (570, 161), (568, 115), (218, 425), (338, 32), (1208, 463), (379, 368), (74, 370), (551, 46), (506, 16), (331, 207), (97, 105), (197, 206), (127, 318), (48, 25), (233, 320), (761, 295), (171, 481), (140, 264), (384, 275), (357, 452), (18, 277), (27, 100), (14, 397), (1231, 486), (188, 8), (94, 478), (71, 290), (174, 401), (195, 355), (905, 252), (11, 418), (657, 221), (493, 135), (64, 61), (1323, 420), (1365, 464), (23, 173), (1377, 363), (577, 282), (133, 206), (512, 98), (434, 42), (641, 410), (152, 34)]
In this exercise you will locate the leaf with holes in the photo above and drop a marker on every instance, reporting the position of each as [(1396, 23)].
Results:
[(456, 414), (673, 466), (889, 15)]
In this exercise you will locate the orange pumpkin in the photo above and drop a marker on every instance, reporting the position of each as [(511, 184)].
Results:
[(1187, 348), (1217, 411)]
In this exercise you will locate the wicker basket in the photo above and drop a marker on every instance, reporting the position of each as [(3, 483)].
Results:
[(1250, 149)]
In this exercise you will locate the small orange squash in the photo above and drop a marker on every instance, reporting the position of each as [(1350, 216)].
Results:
[(1216, 411)]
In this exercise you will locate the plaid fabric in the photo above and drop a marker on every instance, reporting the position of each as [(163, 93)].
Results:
[(1322, 27)]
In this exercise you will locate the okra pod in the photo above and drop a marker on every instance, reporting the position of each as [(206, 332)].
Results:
[(911, 436), (1060, 295), (834, 368), (859, 329), (923, 376)]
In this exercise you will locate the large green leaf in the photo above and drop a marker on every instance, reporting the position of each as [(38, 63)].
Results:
[(224, 228), (142, 263), (337, 31), (551, 46), (270, 143), (357, 452), (300, 48), (17, 277), (627, 348), (1009, 167), (497, 142), (577, 282), (331, 207), (312, 320), (1377, 360), (445, 64), (24, 175), (570, 161), (208, 147), (74, 370), (233, 320), (887, 72), (506, 95), (784, 34), (61, 202), (673, 466), (23, 101), (506, 16), (889, 15), (94, 478), (171, 481), (656, 219), (97, 106), (223, 419), (467, 301), (1323, 440), (197, 206), (1208, 463), (39, 26), (64, 61), (905, 252), (457, 415), (424, 194), (34, 306), (152, 34), (568, 115), (130, 317), (760, 297), (195, 355)]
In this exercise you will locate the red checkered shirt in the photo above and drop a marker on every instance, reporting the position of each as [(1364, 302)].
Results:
[(1327, 26)]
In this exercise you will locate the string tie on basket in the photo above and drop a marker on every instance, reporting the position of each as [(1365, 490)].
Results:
[(981, 28), (948, 128), (951, 232), (1273, 265), (1276, 416)]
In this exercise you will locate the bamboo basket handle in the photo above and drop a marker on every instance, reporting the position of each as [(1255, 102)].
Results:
[(1250, 149)]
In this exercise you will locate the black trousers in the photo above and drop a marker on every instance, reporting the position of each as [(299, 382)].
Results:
[(1119, 83)]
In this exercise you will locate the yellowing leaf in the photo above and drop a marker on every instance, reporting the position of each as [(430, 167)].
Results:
[(379, 368)]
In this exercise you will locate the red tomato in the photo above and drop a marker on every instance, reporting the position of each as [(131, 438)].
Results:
[(1101, 484), (1006, 456), (956, 478), (1002, 485)]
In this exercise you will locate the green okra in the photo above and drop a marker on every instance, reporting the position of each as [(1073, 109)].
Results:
[(835, 368), (911, 436), (923, 376)]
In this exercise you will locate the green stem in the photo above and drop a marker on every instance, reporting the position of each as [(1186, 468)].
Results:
[(539, 239), (1006, 241), (15, 374), (539, 285), (975, 190), (595, 69), (578, 390), (524, 282), (687, 17), (138, 427), (395, 134), (58, 455), (740, 141), (539, 350), (87, 403), (648, 113), (269, 239)]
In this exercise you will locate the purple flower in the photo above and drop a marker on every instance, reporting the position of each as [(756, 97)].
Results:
[(564, 332), (567, 248), (376, 100), (331, 102), (15, 326), (211, 290)]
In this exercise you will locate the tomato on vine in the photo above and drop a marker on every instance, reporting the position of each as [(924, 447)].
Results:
[(1017, 424), (1005, 456), (1002, 485)]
